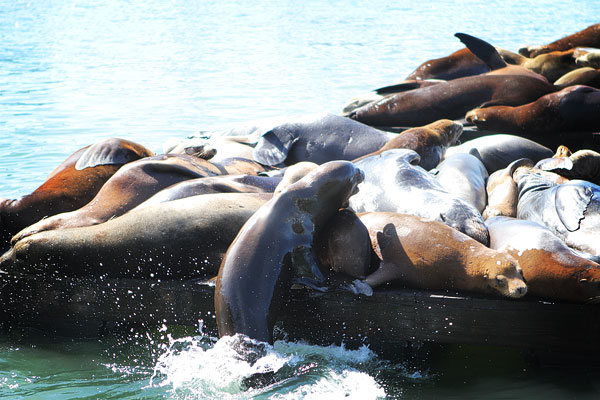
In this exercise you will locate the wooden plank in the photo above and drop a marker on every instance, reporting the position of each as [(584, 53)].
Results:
[(389, 318)]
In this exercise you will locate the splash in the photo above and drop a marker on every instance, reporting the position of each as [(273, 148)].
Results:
[(237, 367)]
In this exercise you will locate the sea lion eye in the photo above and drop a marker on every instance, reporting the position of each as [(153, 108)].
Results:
[(500, 280)]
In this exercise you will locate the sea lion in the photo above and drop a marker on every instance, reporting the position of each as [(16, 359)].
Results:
[(497, 151), (459, 64), (502, 193), (429, 141), (213, 184), (583, 164), (378, 94), (344, 245), (393, 183), (570, 210), (430, 255), (451, 100), (589, 37), (275, 245), (130, 186), (70, 186), (488, 54), (551, 269), (591, 59), (464, 176), (551, 65), (318, 138), (181, 239), (576, 108), (580, 76)]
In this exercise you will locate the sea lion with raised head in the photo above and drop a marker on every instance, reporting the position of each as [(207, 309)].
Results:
[(275, 247), (583, 164), (429, 141), (432, 256)]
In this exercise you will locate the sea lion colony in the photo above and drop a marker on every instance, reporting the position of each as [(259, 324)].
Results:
[(340, 203)]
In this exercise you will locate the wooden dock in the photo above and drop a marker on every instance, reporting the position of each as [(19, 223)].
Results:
[(388, 319)]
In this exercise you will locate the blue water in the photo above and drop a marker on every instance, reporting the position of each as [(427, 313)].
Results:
[(72, 72)]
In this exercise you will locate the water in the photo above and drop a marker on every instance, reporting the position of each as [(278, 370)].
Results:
[(73, 72)]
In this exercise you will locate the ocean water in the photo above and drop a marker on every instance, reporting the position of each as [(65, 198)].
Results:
[(73, 72)]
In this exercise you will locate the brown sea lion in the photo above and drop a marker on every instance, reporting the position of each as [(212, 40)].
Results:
[(181, 239), (589, 37), (459, 64), (580, 76), (430, 255), (502, 193), (70, 186), (127, 188), (451, 100), (551, 269), (276, 245), (429, 141), (551, 65), (575, 108)]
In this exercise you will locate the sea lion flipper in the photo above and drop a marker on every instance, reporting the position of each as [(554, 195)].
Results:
[(571, 202), (273, 147), (111, 151), (551, 164), (482, 50)]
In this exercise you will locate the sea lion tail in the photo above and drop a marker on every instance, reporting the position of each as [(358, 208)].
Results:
[(482, 50)]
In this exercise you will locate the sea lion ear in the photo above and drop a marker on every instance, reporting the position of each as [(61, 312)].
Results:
[(571, 201), (273, 147), (551, 164)]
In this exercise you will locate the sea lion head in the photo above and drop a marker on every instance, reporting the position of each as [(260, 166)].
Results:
[(450, 131), (504, 275)]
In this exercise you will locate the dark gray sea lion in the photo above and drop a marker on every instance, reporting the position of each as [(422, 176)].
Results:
[(497, 151), (70, 186), (318, 139), (551, 119), (394, 184), (275, 246), (589, 37), (344, 245), (432, 256), (464, 176), (126, 189), (181, 239), (214, 184), (294, 173), (551, 269), (570, 210), (451, 100), (429, 141)]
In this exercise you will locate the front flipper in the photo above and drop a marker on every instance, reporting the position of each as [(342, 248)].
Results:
[(571, 202), (274, 146)]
